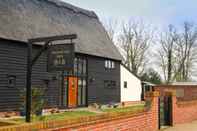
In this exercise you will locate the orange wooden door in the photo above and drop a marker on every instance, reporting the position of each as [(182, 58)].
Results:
[(72, 91)]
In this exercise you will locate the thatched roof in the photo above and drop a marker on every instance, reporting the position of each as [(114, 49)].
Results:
[(25, 19)]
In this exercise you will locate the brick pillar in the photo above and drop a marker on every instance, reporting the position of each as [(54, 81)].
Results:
[(154, 110), (174, 107)]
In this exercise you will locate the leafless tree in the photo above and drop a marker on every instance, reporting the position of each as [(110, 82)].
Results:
[(166, 56), (177, 53), (135, 40), (186, 52)]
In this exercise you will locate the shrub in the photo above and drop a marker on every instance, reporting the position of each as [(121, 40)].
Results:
[(37, 100)]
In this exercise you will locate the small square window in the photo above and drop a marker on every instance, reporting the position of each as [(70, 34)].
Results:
[(109, 64), (109, 84), (11, 81), (180, 93), (125, 84)]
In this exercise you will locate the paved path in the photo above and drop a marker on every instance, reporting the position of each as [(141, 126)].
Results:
[(184, 127)]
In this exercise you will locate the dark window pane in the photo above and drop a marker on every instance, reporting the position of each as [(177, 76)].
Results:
[(125, 84), (109, 84), (11, 81), (113, 84)]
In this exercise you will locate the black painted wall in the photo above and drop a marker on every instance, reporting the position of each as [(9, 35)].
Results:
[(13, 62), (97, 93)]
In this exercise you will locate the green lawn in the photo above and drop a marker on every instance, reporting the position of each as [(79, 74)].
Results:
[(125, 109), (77, 114), (59, 116), (4, 123)]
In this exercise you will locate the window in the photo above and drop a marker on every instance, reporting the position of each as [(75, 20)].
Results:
[(125, 84), (106, 64), (180, 93), (11, 81), (109, 64), (109, 84), (75, 66), (80, 66), (106, 83), (82, 92), (147, 88), (59, 60), (84, 66), (113, 84), (112, 65)]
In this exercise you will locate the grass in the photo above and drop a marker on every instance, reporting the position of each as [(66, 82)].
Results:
[(4, 123), (59, 116), (77, 114), (125, 109)]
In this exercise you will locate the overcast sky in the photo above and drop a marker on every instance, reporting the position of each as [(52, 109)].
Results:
[(157, 12)]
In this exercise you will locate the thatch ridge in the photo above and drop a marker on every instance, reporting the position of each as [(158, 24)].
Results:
[(74, 8)]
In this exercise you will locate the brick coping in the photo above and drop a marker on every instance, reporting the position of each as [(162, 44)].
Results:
[(101, 120), (186, 103), (76, 122)]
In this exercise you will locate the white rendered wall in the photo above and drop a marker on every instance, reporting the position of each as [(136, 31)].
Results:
[(133, 90)]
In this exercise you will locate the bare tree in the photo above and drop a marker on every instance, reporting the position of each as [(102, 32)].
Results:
[(166, 56), (177, 53), (135, 40), (186, 52)]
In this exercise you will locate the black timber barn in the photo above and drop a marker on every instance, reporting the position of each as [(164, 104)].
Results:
[(96, 71)]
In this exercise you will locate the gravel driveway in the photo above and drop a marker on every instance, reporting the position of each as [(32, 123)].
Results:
[(184, 127)]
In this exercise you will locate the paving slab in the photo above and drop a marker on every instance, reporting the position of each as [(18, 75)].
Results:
[(183, 127)]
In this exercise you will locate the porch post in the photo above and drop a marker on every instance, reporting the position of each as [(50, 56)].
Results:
[(28, 83)]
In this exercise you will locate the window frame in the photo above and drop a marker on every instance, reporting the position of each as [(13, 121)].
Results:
[(11, 81), (109, 84), (109, 64), (125, 85)]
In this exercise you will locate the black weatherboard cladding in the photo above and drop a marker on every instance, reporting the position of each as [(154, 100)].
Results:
[(97, 74), (13, 62)]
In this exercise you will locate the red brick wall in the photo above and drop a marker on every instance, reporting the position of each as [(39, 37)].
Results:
[(190, 91), (144, 121), (183, 112)]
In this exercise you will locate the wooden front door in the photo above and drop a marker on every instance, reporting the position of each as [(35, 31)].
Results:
[(72, 91)]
